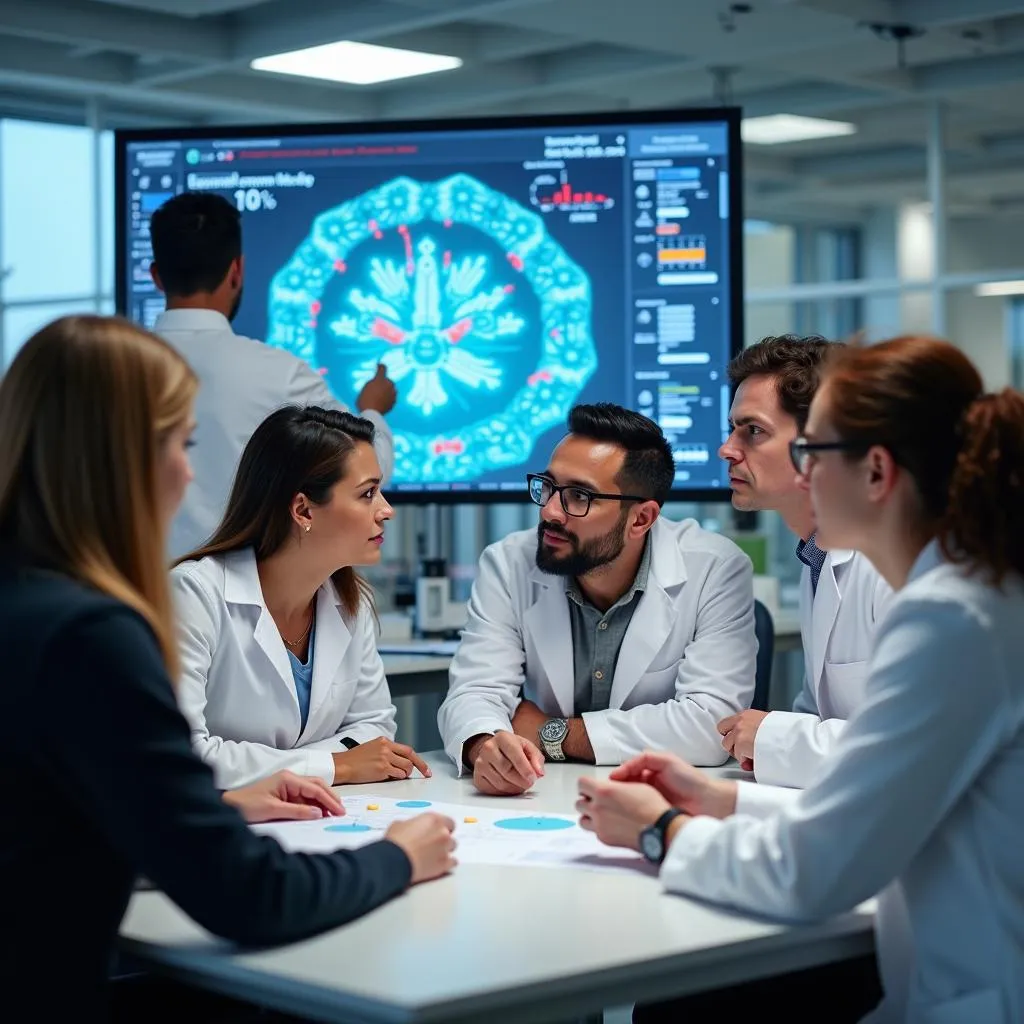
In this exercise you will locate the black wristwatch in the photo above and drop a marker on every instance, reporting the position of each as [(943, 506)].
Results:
[(652, 838)]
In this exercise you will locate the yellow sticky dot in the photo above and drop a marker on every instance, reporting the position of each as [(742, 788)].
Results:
[(469, 821), (373, 807)]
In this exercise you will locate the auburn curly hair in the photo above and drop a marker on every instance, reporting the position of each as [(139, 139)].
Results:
[(923, 400), (984, 520)]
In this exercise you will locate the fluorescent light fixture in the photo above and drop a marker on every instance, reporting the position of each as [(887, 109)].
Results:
[(778, 128), (355, 63), (1000, 288)]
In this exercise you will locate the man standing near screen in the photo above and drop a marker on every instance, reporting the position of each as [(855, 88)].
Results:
[(609, 630), (198, 265)]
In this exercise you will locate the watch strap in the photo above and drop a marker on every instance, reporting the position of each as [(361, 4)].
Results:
[(660, 828), (554, 751)]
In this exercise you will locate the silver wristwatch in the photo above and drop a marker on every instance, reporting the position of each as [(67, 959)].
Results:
[(552, 736)]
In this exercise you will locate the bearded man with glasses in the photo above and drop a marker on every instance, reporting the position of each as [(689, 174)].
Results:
[(607, 631)]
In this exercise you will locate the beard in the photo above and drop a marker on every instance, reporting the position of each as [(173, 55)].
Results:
[(583, 557), (235, 306)]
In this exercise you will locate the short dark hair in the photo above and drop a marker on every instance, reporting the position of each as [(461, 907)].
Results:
[(794, 362), (649, 468), (195, 237)]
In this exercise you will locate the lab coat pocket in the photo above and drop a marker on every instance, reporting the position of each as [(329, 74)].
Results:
[(846, 672), (842, 689), (981, 1007)]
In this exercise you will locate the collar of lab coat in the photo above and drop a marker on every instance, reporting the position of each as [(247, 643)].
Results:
[(242, 581), (929, 558), (825, 603), (839, 556), (191, 320), (333, 636)]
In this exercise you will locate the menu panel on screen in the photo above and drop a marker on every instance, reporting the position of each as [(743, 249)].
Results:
[(501, 271)]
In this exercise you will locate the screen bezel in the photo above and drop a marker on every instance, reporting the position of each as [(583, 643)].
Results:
[(730, 116)]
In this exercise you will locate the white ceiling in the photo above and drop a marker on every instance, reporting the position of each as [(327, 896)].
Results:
[(186, 61)]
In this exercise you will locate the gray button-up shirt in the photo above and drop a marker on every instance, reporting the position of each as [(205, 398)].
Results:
[(597, 638)]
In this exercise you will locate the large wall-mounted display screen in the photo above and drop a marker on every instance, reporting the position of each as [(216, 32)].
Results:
[(502, 271)]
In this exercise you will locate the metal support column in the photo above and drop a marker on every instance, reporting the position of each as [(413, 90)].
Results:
[(94, 120), (937, 197)]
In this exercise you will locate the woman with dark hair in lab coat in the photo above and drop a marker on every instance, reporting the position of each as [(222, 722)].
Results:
[(277, 631), (910, 462)]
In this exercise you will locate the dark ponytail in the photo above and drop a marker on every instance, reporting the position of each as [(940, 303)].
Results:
[(984, 521)]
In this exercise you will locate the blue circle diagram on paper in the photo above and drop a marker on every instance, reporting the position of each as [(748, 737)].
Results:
[(533, 824), (413, 803), (353, 827), (480, 317)]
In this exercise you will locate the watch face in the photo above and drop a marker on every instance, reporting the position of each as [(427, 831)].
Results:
[(553, 731), (650, 845)]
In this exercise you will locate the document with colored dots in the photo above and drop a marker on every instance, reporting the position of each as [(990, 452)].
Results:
[(505, 837)]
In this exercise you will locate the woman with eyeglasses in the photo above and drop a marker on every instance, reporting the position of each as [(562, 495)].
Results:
[(100, 780), (910, 462), (278, 635)]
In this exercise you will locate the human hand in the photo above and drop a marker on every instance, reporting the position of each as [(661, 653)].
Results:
[(504, 764), (378, 393), (527, 721), (428, 842), (680, 784), (285, 796), (619, 811), (738, 734), (377, 760)]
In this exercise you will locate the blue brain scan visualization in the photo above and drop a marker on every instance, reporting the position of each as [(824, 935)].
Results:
[(480, 318), (500, 275)]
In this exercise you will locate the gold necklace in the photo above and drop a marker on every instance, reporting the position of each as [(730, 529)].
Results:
[(305, 632)]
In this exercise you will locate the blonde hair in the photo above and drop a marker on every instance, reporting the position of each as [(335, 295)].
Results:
[(84, 410)]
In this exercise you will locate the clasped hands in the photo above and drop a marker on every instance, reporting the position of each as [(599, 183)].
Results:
[(638, 792)]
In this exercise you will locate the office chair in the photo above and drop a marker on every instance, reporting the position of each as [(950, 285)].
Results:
[(764, 628)]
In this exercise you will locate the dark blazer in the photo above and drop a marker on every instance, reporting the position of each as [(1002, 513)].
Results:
[(100, 784)]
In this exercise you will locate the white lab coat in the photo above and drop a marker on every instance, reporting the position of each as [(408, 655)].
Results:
[(837, 626), (686, 662), (241, 382), (237, 690), (922, 797)]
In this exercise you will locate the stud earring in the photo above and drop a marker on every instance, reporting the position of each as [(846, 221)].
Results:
[(307, 527)]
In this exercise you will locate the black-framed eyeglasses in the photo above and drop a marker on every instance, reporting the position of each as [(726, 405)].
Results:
[(801, 451), (575, 500)]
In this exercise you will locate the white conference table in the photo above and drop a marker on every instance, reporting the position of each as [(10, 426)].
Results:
[(490, 945)]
